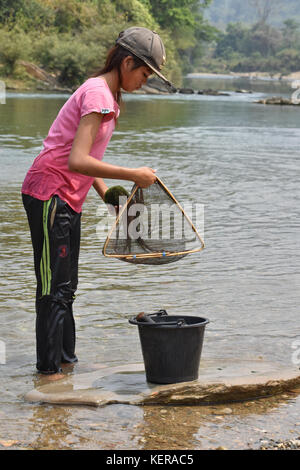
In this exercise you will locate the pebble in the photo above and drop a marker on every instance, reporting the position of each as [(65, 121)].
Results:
[(224, 411), (291, 444), (8, 443)]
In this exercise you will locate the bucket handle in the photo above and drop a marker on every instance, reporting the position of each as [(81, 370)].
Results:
[(163, 313), (179, 323), (160, 313)]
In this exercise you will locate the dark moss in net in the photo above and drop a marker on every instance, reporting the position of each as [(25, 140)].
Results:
[(113, 194)]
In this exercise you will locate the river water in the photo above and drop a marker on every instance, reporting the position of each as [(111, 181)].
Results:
[(238, 159)]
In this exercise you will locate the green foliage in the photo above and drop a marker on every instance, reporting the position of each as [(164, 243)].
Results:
[(13, 45), (135, 12), (174, 13), (69, 38), (27, 15), (189, 31), (69, 58)]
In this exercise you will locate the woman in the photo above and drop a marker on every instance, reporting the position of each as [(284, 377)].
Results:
[(57, 183)]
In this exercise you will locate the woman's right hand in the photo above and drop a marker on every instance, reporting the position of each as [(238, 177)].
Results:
[(144, 176)]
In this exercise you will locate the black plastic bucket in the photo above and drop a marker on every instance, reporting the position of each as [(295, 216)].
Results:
[(171, 346)]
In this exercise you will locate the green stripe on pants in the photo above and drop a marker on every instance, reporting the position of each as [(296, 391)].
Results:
[(45, 260)]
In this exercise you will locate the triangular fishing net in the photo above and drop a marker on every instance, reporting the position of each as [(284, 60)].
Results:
[(152, 228)]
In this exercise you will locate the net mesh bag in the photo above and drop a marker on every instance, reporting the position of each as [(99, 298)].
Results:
[(151, 228)]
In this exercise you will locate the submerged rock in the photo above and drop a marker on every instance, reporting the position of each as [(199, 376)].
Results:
[(127, 384)]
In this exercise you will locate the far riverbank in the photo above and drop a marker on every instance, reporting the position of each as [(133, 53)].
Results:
[(248, 75), (33, 78)]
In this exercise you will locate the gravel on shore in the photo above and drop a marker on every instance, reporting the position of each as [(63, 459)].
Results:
[(292, 444)]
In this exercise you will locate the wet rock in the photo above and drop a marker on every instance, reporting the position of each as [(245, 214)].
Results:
[(277, 100), (243, 91), (46, 81), (8, 443), (226, 411), (211, 92), (223, 411), (186, 91), (103, 387)]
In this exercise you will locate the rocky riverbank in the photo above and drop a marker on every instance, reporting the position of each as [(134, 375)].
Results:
[(278, 100), (37, 79), (292, 444), (157, 87), (248, 75)]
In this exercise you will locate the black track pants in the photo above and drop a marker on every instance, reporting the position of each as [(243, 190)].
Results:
[(55, 235)]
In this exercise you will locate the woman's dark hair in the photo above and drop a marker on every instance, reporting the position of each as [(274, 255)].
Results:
[(114, 60)]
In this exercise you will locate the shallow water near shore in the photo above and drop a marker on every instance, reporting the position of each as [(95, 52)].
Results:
[(241, 161)]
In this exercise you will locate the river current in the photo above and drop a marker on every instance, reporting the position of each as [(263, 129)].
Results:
[(236, 158)]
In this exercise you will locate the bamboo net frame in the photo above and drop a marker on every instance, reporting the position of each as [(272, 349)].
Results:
[(158, 254)]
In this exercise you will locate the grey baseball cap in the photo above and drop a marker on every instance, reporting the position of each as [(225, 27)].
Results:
[(147, 46)]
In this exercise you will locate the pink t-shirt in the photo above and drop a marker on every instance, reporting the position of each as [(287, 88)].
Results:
[(49, 173)]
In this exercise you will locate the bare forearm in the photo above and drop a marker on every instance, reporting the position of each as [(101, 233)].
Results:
[(89, 166), (100, 187)]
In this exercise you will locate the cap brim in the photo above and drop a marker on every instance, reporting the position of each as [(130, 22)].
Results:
[(159, 74)]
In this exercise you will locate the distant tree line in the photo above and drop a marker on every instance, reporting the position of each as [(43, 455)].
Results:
[(260, 47), (274, 12)]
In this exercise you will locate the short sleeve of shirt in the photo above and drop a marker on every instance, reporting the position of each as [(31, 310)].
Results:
[(97, 99)]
